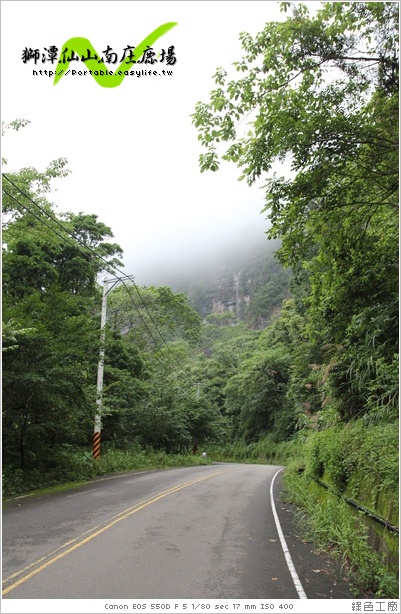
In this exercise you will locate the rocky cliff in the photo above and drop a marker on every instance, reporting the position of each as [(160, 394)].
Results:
[(251, 284)]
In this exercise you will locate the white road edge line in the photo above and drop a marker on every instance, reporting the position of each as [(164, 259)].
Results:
[(288, 559)]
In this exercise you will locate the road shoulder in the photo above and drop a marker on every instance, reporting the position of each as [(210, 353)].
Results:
[(321, 576)]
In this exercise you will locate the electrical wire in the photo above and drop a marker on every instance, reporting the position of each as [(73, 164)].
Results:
[(164, 376), (107, 266), (64, 238)]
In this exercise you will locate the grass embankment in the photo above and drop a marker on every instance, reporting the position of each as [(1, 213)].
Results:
[(360, 463)]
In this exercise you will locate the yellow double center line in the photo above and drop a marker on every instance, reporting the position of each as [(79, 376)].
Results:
[(70, 546)]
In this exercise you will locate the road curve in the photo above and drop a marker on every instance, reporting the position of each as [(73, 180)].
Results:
[(204, 532)]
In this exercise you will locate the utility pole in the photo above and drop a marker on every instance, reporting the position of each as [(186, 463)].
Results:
[(99, 386)]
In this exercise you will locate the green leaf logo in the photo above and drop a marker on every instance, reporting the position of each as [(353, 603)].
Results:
[(82, 46)]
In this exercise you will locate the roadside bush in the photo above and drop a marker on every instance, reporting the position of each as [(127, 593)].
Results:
[(326, 455), (359, 459), (264, 451), (136, 458), (66, 464), (313, 459), (375, 453), (71, 465)]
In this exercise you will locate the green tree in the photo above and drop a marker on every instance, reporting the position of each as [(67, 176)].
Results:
[(255, 396), (152, 317), (124, 386), (50, 290), (48, 380), (319, 102), (175, 414), (322, 92)]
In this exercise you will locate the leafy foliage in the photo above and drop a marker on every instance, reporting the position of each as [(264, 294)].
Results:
[(153, 316), (323, 91), (49, 308)]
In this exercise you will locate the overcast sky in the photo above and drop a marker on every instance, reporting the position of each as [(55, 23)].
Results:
[(132, 150)]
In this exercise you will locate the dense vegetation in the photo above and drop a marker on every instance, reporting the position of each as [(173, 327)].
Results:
[(314, 384), (320, 94)]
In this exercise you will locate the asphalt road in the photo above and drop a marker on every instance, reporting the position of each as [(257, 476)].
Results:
[(205, 532)]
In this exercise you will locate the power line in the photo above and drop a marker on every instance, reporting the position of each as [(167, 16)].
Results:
[(96, 442), (108, 267), (96, 255), (64, 238)]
